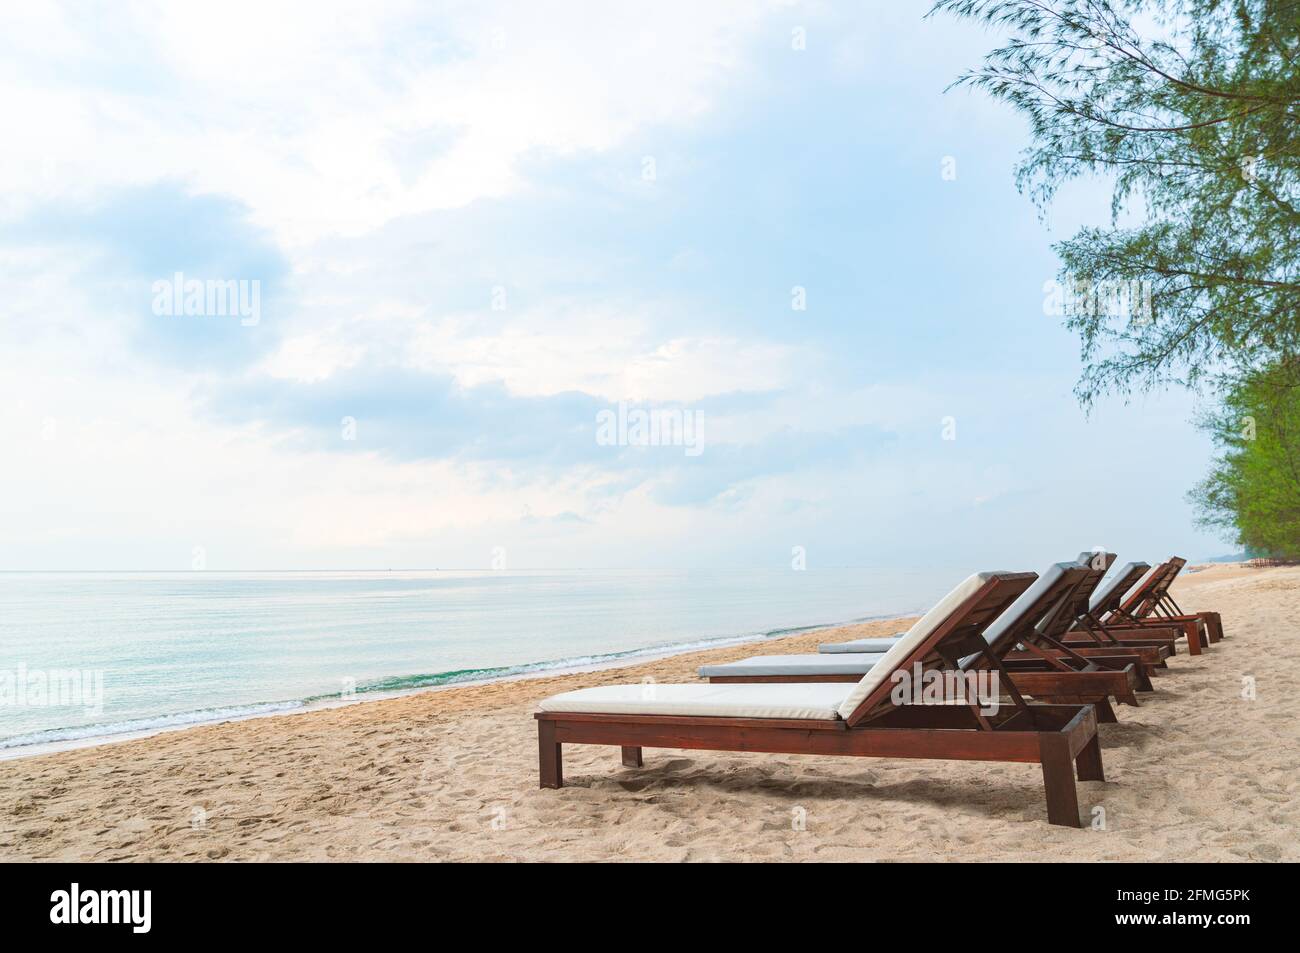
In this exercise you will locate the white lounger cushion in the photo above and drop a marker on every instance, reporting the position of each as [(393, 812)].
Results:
[(1087, 557), (1017, 609), (911, 640), (857, 646), (1108, 586), (816, 702), (841, 663)]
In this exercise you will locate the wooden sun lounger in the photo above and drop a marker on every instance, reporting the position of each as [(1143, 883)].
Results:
[(1212, 620), (1099, 647), (1057, 639), (1045, 670), (1092, 626), (1124, 624), (1151, 604), (866, 722), (1036, 644)]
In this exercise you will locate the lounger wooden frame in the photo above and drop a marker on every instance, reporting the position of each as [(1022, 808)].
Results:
[(1094, 626), (1060, 738), (1152, 604), (1123, 625), (1147, 597), (1051, 633)]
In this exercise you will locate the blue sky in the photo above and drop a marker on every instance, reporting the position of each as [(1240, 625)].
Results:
[(476, 226)]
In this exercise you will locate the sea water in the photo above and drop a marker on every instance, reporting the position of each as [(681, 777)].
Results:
[(172, 649)]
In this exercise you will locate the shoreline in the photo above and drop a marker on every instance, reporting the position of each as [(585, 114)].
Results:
[(290, 707)]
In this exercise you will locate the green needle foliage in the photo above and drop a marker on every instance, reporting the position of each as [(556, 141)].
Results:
[(1253, 492), (1192, 108)]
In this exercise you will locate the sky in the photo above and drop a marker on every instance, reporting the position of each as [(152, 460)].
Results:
[(468, 233)]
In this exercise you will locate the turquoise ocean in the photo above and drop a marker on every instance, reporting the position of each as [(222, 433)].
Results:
[(99, 654)]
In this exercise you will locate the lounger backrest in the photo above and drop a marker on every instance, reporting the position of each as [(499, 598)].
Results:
[(1093, 568), (1146, 593), (951, 628), (1097, 562), (1038, 607), (1111, 592), (1145, 599), (1176, 564)]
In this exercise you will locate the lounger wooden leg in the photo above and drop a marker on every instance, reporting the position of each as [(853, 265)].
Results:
[(1105, 713), (549, 755), (632, 757), (1193, 632), (1058, 781), (1088, 761)]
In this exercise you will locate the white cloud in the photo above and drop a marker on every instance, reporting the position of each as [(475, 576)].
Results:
[(313, 114), (614, 357), (614, 353)]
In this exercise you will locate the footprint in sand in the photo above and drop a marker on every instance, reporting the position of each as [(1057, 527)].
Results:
[(676, 764)]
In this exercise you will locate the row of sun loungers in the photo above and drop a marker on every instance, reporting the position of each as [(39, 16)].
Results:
[(1026, 666)]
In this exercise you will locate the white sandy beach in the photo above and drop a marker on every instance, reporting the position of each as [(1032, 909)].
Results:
[(1196, 773)]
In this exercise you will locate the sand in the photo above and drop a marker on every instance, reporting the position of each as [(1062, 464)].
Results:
[(1196, 773)]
